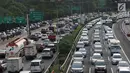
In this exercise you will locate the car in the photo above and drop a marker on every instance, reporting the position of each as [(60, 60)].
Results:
[(94, 57), (114, 49), (116, 58), (100, 66), (123, 70), (84, 34), (44, 36), (37, 65), (77, 67), (25, 71), (85, 39), (127, 22), (78, 56), (80, 44), (123, 64), (3, 64), (47, 53), (98, 48), (84, 51)]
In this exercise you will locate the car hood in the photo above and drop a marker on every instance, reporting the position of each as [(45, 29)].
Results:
[(103, 66), (77, 68), (117, 59)]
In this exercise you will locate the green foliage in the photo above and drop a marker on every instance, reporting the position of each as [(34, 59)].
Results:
[(67, 42)]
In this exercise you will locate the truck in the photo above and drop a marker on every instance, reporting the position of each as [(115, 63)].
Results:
[(15, 48), (14, 64), (30, 50)]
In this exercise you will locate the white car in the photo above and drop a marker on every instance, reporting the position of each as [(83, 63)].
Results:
[(116, 58), (44, 36), (80, 44), (123, 64), (25, 71), (123, 70), (94, 57), (78, 56), (84, 51), (85, 39), (84, 34)]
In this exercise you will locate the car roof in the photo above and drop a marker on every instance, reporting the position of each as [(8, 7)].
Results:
[(124, 69), (36, 60), (47, 49), (25, 71), (96, 54), (78, 52), (123, 62), (116, 54)]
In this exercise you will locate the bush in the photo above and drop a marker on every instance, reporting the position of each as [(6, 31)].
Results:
[(67, 42)]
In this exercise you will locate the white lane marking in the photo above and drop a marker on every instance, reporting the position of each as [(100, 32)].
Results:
[(69, 66), (112, 70), (106, 49), (108, 59), (120, 45), (90, 70)]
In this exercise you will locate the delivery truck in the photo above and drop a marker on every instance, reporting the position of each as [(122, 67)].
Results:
[(30, 50), (14, 64)]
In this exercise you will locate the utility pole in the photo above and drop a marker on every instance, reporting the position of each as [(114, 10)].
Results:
[(28, 26)]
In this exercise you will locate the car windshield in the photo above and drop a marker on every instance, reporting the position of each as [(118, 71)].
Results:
[(124, 72), (35, 64), (115, 47), (82, 50), (100, 63), (96, 57), (76, 65), (116, 56), (77, 55), (124, 65)]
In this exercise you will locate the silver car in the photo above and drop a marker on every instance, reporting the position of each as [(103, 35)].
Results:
[(116, 58), (95, 57), (77, 67), (84, 51)]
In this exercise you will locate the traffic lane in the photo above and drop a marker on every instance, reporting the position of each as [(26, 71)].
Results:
[(87, 62), (105, 55), (47, 62), (124, 42), (3, 43)]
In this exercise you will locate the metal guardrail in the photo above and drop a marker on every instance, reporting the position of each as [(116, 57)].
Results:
[(69, 56), (48, 70)]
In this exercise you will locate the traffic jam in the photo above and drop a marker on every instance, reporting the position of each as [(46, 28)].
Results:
[(37, 52), (98, 50)]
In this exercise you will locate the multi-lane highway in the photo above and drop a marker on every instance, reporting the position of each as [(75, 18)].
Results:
[(124, 43)]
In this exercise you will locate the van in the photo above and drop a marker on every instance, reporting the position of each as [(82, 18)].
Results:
[(37, 66), (47, 52)]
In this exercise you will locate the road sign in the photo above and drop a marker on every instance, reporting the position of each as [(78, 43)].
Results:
[(35, 16), (121, 7), (8, 20), (20, 20)]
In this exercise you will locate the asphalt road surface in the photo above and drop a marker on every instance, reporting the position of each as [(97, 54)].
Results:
[(125, 44)]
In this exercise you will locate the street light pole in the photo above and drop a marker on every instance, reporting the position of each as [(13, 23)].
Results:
[(28, 26)]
